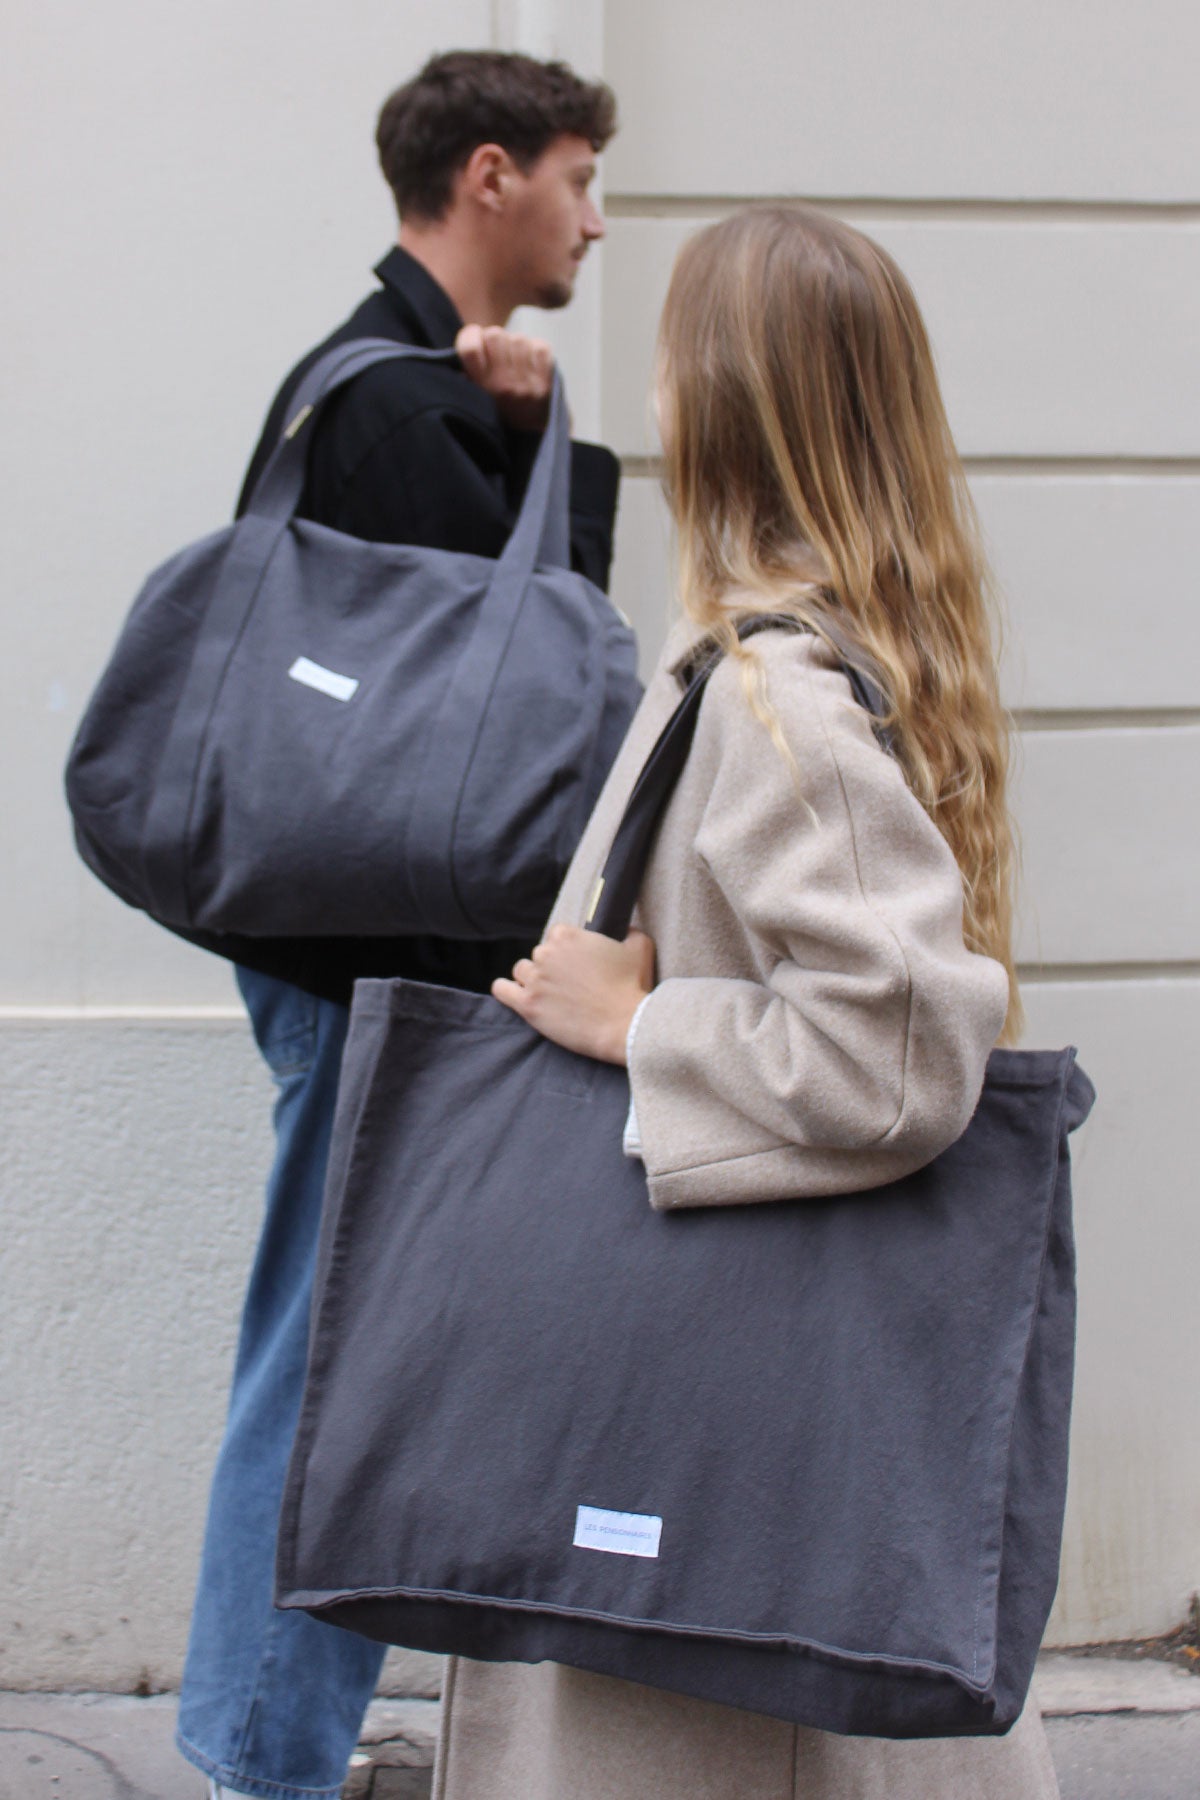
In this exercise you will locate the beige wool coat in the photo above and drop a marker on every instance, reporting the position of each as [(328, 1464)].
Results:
[(817, 1027)]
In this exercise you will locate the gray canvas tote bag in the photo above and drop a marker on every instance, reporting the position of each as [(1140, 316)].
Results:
[(807, 1459), (301, 734)]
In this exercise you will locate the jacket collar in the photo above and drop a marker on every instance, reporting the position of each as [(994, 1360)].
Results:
[(688, 644), (426, 307)]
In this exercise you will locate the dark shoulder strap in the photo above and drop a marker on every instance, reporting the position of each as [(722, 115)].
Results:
[(865, 691), (621, 879), (617, 889)]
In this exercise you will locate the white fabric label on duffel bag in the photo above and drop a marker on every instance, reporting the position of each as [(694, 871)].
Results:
[(326, 681), (624, 1534)]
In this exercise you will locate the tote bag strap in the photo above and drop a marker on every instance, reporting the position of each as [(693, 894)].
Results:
[(619, 883)]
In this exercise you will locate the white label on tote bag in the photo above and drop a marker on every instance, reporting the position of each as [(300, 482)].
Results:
[(338, 687), (625, 1534)]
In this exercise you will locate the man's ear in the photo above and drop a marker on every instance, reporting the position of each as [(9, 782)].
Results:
[(487, 177)]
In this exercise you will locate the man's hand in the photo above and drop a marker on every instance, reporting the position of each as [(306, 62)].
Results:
[(581, 989), (516, 371)]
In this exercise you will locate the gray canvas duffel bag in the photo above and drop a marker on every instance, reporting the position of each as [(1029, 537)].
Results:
[(807, 1458), (302, 734)]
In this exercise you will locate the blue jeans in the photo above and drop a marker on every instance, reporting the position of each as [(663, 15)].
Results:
[(272, 1701)]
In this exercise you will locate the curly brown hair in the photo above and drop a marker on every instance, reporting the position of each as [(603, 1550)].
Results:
[(463, 98)]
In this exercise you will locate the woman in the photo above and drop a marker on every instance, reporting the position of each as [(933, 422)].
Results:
[(825, 959)]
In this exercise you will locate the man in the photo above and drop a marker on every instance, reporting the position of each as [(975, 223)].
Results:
[(490, 158)]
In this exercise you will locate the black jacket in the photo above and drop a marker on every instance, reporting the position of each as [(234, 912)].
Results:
[(416, 453)]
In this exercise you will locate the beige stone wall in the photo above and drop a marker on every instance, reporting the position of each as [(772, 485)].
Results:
[(1034, 171)]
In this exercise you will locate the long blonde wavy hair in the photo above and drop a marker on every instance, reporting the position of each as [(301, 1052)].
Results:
[(810, 470)]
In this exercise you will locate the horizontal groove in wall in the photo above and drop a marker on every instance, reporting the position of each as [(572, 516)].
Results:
[(1032, 973), (920, 211), (1087, 467), (1043, 974), (138, 1015), (1110, 718), (1093, 468)]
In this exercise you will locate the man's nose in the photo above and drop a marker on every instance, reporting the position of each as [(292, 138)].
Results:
[(593, 222)]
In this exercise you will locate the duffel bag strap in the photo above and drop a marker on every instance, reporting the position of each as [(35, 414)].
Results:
[(278, 489), (540, 539), (541, 533)]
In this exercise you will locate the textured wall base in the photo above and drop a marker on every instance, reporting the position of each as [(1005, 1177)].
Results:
[(134, 1156)]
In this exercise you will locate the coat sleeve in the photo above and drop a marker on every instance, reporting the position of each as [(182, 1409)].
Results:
[(858, 1052)]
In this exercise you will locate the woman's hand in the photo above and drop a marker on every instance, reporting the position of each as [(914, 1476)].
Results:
[(581, 990)]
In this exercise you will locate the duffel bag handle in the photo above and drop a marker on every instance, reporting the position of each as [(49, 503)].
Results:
[(278, 489), (541, 533)]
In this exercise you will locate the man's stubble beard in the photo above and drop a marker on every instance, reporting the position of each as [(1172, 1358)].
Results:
[(555, 295)]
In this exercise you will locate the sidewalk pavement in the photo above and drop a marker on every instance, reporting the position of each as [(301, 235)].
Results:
[(1119, 1730)]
